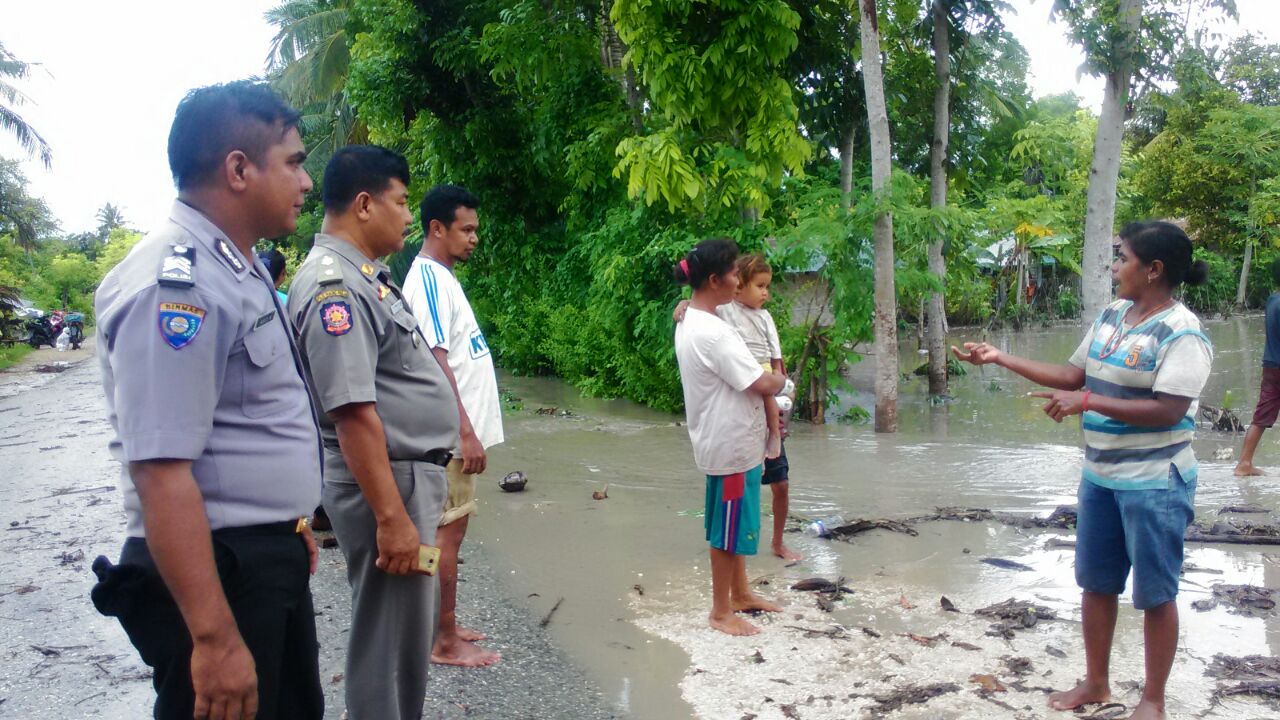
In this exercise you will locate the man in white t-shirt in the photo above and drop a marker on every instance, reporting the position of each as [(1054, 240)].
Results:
[(449, 224)]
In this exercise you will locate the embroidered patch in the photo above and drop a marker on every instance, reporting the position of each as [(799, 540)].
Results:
[(179, 323), (325, 295), (336, 315)]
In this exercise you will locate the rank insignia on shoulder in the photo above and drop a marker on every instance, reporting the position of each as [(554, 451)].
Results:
[(330, 272), (367, 269), (383, 292), (231, 255), (178, 268), (336, 316), (179, 323)]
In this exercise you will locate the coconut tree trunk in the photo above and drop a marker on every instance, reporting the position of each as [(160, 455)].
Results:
[(1099, 221), (935, 329), (886, 312), (1243, 286), (846, 165)]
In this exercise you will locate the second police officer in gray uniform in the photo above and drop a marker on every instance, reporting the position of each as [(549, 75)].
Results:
[(215, 427), (390, 418)]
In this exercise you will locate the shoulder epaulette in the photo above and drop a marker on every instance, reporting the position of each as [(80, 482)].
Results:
[(178, 269), (330, 271)]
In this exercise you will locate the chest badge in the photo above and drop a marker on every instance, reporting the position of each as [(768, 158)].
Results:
[(179, 323), (383, 292), (367, 269), (336, 315)]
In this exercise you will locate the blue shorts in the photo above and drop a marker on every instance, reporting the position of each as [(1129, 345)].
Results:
[(1140, 529), (732, 515)]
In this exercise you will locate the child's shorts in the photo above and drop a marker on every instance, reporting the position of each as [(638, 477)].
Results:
[(777, 469), (1140, 529), (733, 511)]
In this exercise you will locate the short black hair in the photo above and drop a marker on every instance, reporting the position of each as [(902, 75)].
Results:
[(361, 168), (1166, 242), (716, 256), (213, 121), (442, 202), (273, 259)]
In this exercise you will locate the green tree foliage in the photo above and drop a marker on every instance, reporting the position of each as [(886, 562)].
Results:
[(12, 70)]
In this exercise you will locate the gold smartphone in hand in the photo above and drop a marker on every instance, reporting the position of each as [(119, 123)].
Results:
[(428, 560)]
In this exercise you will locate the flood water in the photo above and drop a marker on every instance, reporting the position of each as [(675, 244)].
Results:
[(632, 569)]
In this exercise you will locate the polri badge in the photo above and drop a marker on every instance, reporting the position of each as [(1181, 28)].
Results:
[(336, 316), (179, 323), (231, 255)]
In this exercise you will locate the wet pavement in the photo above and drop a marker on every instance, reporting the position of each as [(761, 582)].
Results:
[(60, 508)]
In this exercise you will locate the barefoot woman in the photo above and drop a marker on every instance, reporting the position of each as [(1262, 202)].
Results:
[(1141, 366), (724, 391)]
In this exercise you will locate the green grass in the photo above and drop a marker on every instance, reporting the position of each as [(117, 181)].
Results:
[(11, 355)]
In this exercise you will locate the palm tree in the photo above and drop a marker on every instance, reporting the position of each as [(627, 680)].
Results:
[(11, 68), (109, 217), (308, 62)]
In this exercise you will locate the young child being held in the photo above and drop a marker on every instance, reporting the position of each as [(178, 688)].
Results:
[(747, 316)]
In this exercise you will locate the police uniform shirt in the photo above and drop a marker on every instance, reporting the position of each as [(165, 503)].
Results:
[(360, 343), (198, 364)]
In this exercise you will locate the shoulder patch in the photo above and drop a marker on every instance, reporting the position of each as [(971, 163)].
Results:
[(336, 316), (178, 269), (179, 323), (330, 271)]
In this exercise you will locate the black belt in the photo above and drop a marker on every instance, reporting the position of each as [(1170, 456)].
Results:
[(284, 527), (438, 457)]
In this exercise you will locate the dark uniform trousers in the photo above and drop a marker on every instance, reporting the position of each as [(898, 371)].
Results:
[(265, 573), (393, 617)]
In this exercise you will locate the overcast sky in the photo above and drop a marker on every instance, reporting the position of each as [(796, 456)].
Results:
[(111, 74)]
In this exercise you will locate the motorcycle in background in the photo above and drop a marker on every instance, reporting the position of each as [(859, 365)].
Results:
[(40, 327)]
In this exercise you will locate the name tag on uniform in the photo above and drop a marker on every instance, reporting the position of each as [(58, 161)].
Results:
[(264, 319), (397, 306)]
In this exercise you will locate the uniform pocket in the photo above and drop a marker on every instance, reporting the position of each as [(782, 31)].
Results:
[(266, 388), (408, 342)]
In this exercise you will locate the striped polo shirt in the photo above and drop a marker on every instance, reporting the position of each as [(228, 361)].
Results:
[(1168, 354)]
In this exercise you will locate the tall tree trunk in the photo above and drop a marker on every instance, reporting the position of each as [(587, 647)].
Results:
[(1243, 286), (1100, 213), (846, 165), (886, 312), (935, 332)]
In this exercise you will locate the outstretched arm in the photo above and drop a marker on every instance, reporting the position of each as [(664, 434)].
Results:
[(1060, 377)]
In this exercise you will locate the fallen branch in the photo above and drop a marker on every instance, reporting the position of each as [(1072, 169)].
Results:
[(547, 620)]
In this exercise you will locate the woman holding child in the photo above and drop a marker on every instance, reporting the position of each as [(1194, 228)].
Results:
[(724, 393), (1135, 379)]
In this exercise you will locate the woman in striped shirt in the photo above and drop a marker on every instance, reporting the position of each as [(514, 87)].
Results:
[(1135, 379)]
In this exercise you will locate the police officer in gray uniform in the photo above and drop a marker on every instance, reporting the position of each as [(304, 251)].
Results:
[(215, 427), (390, 418)]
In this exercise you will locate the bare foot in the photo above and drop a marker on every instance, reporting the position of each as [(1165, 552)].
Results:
[(1244, 469), (773, 447), (1147, 710), (732, 625), (462, 653), (470, 635), (1085, 692), (787, 553), (751, 601)]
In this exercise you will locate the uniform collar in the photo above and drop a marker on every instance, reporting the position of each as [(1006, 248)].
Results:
[(213, 239), (370, 269)]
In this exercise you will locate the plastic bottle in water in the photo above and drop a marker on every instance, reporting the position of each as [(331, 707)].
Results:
[(822, 528)]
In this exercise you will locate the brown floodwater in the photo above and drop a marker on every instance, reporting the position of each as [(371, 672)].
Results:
[(632, 569)]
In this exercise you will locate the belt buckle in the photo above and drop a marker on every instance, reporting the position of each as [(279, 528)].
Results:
[(302, 524)]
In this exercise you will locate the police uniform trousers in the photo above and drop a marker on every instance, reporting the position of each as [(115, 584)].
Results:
[(393, 617), (265, 573)]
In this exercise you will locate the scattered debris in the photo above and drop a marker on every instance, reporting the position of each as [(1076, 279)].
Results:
[(1238, 532), (602, 494), (925, 640), (870, 632), (757, 658), (1243, 509), (1054, 543), (1004, 564), (1193, 568), (513, 481), (817, 584), (1055, 652), (949, 606), (1105, 711), (70, 558), (910, 695), (835, 633), (56, 367), (1017, 665), (547, 620), (905, 603), (1221, 419), (1250, 667), (638, 588), (1241, 599), (1014, 615), (965, 646), (848, 530), (1225, 453), (989, 683)]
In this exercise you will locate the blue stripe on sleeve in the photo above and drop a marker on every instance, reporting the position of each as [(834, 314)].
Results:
[(432, 292)]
